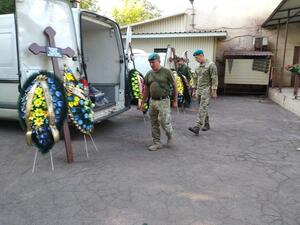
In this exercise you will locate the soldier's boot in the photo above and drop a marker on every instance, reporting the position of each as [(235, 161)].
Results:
[(206, 127), (155, 147), (170, 141), (195, 130)]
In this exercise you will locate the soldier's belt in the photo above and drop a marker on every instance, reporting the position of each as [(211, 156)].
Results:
[(160, 98)]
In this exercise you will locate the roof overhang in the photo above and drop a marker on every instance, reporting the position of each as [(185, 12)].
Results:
[(221, 34), (288, 10), (247, 54)]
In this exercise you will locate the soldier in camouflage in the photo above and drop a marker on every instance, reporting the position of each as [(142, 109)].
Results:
[(205, 84), (157, 86)]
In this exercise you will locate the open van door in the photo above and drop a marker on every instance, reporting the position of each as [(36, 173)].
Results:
[(33, 16), (104, 64), (9, 79)]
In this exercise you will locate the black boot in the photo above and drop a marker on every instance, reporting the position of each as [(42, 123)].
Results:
[(195, 130), (206, 127)]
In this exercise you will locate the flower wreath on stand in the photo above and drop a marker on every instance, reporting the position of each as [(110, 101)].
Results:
[(42, 110), (80, 107), (137, 88), (184, 97)]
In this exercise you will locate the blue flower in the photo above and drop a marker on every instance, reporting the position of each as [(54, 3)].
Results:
[(73, 110), (83, 110), (80, 122), (50, 81), (81, 102), (60, 104), (58, 93)]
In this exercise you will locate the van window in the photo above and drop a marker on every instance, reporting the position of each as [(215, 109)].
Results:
[(7, 6)]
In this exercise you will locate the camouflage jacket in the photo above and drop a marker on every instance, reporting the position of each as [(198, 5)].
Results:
[(205, 77)]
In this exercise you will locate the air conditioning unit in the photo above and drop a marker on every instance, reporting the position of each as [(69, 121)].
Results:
[(260, 43)]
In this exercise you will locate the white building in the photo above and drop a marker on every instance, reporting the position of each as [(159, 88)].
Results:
[(174, 30)]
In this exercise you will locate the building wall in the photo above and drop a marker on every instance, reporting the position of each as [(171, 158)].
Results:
[(292, 41), (172, 24), (180, 44), (242, 73)]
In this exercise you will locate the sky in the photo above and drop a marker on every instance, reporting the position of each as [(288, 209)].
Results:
[(173, 6)]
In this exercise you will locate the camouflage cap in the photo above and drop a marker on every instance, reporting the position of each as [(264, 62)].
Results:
[(198, 52), (153, 56)]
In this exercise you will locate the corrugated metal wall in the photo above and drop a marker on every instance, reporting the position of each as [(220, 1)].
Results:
[(242, 73), (180, 44), (172, 24)]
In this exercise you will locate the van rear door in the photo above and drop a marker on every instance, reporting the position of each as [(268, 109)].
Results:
[(104, 63), (33, 16)]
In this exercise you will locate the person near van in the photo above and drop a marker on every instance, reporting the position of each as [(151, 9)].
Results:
[(183, 69), (158, 83), (205, 84), (185, 74)]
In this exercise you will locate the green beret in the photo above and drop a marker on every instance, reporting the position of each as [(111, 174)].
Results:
[(198, 52), (153, 56)]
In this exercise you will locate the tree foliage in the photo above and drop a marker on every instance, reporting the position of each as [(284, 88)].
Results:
[(134, 11), (88, 4), (7, 6)]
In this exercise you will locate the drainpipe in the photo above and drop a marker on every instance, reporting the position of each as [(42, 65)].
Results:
[(193, 14), (284, 51)]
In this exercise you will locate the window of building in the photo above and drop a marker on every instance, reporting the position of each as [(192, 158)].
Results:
[(261, 65)]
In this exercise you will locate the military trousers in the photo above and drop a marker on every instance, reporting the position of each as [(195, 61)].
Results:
[(203, 117), (160, 115)]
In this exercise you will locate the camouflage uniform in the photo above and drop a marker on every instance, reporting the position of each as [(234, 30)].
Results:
[(204, 80), (160, 113)]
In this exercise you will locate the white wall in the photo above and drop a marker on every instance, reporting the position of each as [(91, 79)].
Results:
[(180, 44), (242, 73)]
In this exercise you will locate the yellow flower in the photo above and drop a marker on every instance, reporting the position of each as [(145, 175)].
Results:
[(38, 91), (38, 102), (70, 76), (76, 99), (39, 112), (75, 103), (71, 104), (32, 116), (38, 122)]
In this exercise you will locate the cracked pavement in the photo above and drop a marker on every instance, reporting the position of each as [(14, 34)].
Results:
[(244, 171)]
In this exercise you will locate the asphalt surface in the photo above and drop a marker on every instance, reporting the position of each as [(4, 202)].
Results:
[(244, 171)]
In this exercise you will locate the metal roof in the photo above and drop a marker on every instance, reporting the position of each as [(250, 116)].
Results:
[(204, 33), (246, 54), (287, 10)]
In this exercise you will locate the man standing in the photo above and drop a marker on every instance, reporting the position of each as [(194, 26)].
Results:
[(158, 82), (205, 84), (183, 69)]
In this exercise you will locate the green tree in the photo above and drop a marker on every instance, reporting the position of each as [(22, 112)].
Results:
[(88, 4), (134, 11), (7, 6)]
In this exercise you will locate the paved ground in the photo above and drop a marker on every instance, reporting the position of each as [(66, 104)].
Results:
[(245, 171)]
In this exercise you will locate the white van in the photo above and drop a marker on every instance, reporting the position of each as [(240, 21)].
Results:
[(96, 40)]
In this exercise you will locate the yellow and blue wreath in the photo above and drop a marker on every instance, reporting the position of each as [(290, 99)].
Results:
[(80, 106), (42, 109)]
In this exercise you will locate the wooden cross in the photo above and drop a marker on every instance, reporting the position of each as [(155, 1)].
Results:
[(54, 52)]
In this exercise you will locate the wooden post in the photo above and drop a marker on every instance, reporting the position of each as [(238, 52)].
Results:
[(54, 52)]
